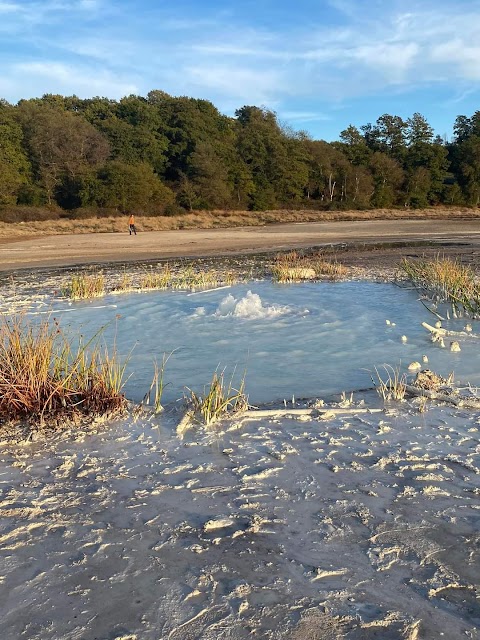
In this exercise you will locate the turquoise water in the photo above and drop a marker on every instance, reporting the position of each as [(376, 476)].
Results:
[(302, 340)]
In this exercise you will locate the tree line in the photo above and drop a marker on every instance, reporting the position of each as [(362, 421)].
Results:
[(164, 155)]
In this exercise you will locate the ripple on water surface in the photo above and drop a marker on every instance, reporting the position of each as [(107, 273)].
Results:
[(305, 340)]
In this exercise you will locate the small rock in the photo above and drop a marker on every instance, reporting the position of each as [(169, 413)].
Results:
[(438, 324), (424, 358), (301, 273), (387, 322), (197, 548), (218, 523), (468, 327), (413, 366), (454, 346), (404, 338)]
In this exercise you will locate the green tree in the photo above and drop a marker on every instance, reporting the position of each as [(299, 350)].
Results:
[(14, 165), (361, 187), (388, 176), (354, 146), (189, 123), (62, 146), (418, 131), (469, 169), (210, 178), (418, 186), (129, 187), (329, 171), (431, 157), (275, 159), (390, 133)]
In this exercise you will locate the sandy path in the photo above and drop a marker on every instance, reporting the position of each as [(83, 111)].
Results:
[(62, 250)]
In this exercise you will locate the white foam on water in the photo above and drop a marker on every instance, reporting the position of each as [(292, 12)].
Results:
[(263, 327), (250, 307), (199, 312)]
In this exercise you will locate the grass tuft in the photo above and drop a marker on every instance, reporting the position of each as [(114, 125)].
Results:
[(151, 279), (445, 280), (125, 284), (219, 400), (392, 385), (84, 285), (44, 378), (293, 267), (155, 393)]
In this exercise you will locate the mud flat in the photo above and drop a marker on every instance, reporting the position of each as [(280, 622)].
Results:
[(450, 236), (346, 524), (358, 521)]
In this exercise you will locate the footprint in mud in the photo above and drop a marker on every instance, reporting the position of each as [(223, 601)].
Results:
[(316, 626), (225, 527), (76, 559), (197, 625), (461, 601)]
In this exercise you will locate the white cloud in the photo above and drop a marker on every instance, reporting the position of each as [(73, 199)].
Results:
[(304, 116), (392, 60), (245, 84), (238, 50), (9, 7), (55, 77), (372, 46), (460, 55), (113, 52), (89, 4)]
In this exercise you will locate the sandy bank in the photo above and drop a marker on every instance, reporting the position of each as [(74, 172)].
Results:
[(97, 248)]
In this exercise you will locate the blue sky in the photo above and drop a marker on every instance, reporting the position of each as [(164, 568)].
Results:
[(320, 64)]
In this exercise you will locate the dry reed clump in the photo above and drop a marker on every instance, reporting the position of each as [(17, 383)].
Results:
[(392, 385), (186, 278), (219, 400), (293, 267), (445, 280), (88, 285), (212, 219), (151, 279), (85, 285), (155, 393), (44, 378), (191, 278), (125, 284)]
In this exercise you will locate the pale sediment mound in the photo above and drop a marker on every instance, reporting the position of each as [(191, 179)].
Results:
[(346, 523)]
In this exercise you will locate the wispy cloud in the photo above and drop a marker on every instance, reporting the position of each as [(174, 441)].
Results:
[(304, 116), (68, 80), (456, 54), (9, 7), (347, 50), (245, 84)]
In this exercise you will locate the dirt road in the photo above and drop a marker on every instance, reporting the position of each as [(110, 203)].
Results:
[(64, 250)]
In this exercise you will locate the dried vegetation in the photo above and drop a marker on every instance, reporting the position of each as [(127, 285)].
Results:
[(295, 267), (446, 280), (47, 377)]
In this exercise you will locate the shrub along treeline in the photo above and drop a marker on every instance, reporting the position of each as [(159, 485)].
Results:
[(163, 155)]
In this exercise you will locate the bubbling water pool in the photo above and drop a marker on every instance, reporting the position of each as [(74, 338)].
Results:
[(302, 340)]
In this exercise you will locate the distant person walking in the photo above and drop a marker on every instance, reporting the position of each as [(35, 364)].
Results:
[(131, 225)]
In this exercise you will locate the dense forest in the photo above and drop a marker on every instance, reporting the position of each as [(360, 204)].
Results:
[(163, 155)]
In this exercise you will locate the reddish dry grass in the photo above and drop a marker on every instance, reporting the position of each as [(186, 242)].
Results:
[(44, 379), (212, 219)]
